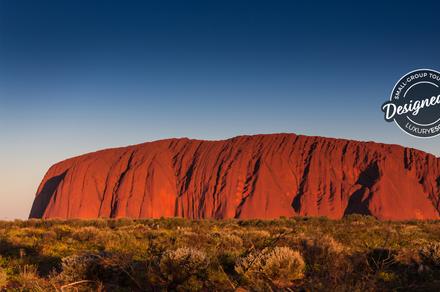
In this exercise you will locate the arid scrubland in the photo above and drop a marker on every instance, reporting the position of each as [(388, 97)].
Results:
[(313, 254)]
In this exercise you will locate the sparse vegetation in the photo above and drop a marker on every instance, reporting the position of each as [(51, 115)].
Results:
[(354, 254)]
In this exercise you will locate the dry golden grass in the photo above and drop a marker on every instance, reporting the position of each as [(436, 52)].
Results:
[(354, 254)]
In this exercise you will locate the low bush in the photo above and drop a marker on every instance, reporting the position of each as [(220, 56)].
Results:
[(358, 253), (183, 265), (281, 266), (430, 255)]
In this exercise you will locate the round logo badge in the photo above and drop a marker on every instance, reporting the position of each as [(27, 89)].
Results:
[(414, 104)]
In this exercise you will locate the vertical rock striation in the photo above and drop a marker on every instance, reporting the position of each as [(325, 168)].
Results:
[(261, 176)]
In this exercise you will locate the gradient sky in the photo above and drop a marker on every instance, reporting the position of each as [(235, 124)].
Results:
[(78, 76)]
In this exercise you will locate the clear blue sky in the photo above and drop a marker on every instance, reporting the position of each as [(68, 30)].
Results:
[(77, 76)]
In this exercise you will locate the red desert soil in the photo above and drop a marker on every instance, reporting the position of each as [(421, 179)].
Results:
[(261, 176)]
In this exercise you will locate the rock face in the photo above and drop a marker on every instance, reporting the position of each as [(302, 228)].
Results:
[(261, 176)]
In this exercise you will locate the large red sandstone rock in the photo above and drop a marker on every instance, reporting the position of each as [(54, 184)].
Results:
[(262, 176)]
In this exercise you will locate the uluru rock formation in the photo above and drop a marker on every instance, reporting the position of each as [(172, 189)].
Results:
[(261, 176)]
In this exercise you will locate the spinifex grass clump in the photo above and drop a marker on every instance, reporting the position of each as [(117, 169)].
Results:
[(279, 266), (357, 253)]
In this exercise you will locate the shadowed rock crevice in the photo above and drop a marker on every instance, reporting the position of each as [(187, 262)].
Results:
[(249, 185), (261, 176), (296, 204), (358, 202), (115, 199), (43, 198)]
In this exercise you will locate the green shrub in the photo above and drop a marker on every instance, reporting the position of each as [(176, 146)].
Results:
[(62, 231), (327, 260), (79, 267), (108, 270), (86, 233)]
